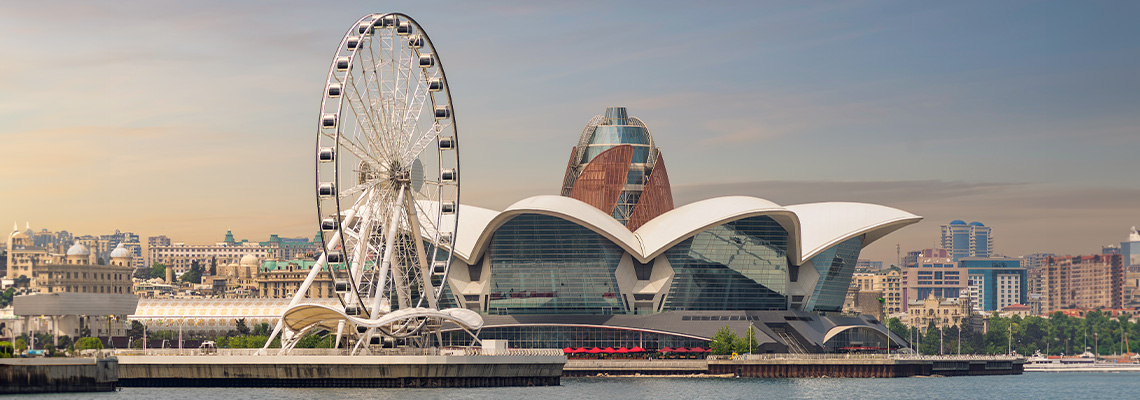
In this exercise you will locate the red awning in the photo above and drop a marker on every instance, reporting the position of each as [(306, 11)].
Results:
[(680, 350), (594, 350), (666, 350), (580, 350), (621, 350), (637, 349), (608, 350), (699, 350), (568, 350)]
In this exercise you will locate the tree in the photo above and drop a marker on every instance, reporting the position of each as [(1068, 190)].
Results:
[(192, 276), (242, 328), (723, 342), (6, 297), (261, 329), (88, 343), (6, 350), (64, 342), (22, 281), (136, 331), (158, 270), (213, 265), (747, 343), (21, 344)]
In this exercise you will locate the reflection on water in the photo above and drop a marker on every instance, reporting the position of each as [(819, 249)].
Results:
[(1064, 385)]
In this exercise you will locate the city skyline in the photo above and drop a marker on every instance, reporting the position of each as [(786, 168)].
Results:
[(183, 120)]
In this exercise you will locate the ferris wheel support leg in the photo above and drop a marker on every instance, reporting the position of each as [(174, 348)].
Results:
[(361, 248), (425, 269), (349, 217), (339, 333), (385, 266)]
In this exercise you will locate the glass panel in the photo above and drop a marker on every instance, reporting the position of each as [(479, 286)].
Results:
[(740, 265), (547, 265), (616, 134), (835, 266)]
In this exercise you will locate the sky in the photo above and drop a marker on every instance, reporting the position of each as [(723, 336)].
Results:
[(187, 119)]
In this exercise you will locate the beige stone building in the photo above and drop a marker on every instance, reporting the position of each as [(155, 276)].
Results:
[(23, 254), (280, 279), (942, 312), (75, 274), (888, 282)]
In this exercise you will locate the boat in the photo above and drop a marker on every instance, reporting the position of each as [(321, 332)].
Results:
[(1086, 362)]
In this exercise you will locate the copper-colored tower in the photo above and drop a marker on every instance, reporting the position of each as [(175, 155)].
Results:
[(616, 168)]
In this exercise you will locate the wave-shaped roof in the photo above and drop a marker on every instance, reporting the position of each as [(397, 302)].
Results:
[(811, 228)]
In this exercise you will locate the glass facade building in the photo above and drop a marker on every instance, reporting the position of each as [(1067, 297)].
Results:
[(741, 265), (967, 240), (835, 267), (547, 265)]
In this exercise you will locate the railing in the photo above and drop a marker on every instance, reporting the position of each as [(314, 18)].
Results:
[(787, 356), (403, 351)]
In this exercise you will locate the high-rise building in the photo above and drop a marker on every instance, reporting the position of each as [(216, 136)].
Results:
[(1131, 249), (995, 282), (617, 169), (967, 240), (937, 276), (1089, 282)]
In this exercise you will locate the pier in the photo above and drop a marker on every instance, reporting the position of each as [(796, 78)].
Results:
[(804, 366), (472, 369)]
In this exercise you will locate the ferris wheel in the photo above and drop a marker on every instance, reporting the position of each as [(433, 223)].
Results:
[(387, 185)]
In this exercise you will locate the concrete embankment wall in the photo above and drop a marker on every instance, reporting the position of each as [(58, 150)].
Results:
[(806, 366), (865, 367), (54, 375), (340, 371)]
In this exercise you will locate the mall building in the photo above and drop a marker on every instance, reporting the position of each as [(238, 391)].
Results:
[(612, 262)]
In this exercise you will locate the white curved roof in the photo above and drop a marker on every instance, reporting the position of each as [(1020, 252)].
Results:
[(670, 228), (812, 228), (826, 224), (78, 250), (120, 252), (562, 207)]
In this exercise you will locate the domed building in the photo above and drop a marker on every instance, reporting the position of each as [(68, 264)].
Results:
[(23, 254), (613, 263)]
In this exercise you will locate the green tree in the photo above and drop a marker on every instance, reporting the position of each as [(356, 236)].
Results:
[(261, 329), (192, 276), (747, 343), (158, 270), (7, 350), (136, 331), (64, 342), (22, 281), (21, 344), (723, 342), (242, 328), (6, 297), (88, 343)]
